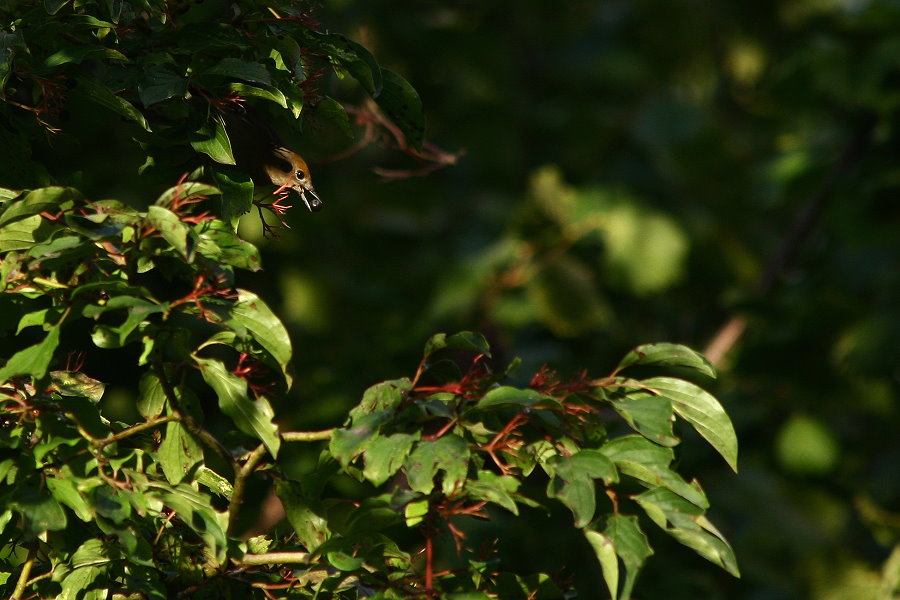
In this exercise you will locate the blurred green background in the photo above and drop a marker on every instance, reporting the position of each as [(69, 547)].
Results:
[(631, 170)]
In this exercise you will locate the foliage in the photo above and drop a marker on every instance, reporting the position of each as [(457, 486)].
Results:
[(149, 509), (156, 502)]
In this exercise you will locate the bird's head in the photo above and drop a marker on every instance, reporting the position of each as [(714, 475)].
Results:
[(289, 170)]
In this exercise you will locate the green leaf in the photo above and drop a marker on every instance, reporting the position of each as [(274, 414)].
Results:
[(415, 512), (253, 72), (686, 522), (237, 192), (76, 54), (668, 355), (34, 360), (151, 395), (56, 246), (67, 494), (506, 396), (186, 190), (253, 417), (160, 83), (572, 481), (267, 329), (179, 453), (346, 444), (287, 54), (99, 93), (401, 103), (331, 111), (41, 511), (649, 415), (647, 462), (87, 414), (605, 551), (305, 513), (703, 411), (346, 53), (19, 235), (266, 92), (212, 139), (344, 562), (170, 227), (384, 396), (215, 482), (498, 489), (48, 199), (630, 545), (195, 508), (465, 340), (77, 581), (74, 383), (385, 455), (217, 241), (449, 454)]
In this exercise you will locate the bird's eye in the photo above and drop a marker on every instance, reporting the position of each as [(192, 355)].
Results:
[(301, 174)]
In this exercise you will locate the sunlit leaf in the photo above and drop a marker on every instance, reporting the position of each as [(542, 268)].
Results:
[(465, 340), (449, 454), (605, 550), (649, 463), (649, 415), (385, 455), (178, 453), (170, 227), (668, 355), (305, 513), (33, 360), (212, 139), (267, 329), (252, 416), (686, 522), (506, 396), (48, 199), (703, 411)]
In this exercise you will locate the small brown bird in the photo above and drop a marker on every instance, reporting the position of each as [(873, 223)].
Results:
[(259, 151)]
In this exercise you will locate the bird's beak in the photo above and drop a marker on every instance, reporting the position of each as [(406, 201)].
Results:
[(313, 203)]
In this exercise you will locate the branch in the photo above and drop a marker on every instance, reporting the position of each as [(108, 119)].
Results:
[(134, 429), (307, 436), (22, 582), (241, 477), (274, 558), (730, 333)]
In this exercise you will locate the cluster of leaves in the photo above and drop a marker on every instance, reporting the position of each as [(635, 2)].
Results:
[(464, 441), (171, 69), (93, 502), (93, 506)]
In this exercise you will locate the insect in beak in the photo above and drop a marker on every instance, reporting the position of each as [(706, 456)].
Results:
[(313, 203), (289, 171)]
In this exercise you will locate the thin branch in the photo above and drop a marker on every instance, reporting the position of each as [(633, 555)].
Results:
[(241, 478), (22, 582), (731, 332), (134, 429), (274, 558), (307, 436)]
